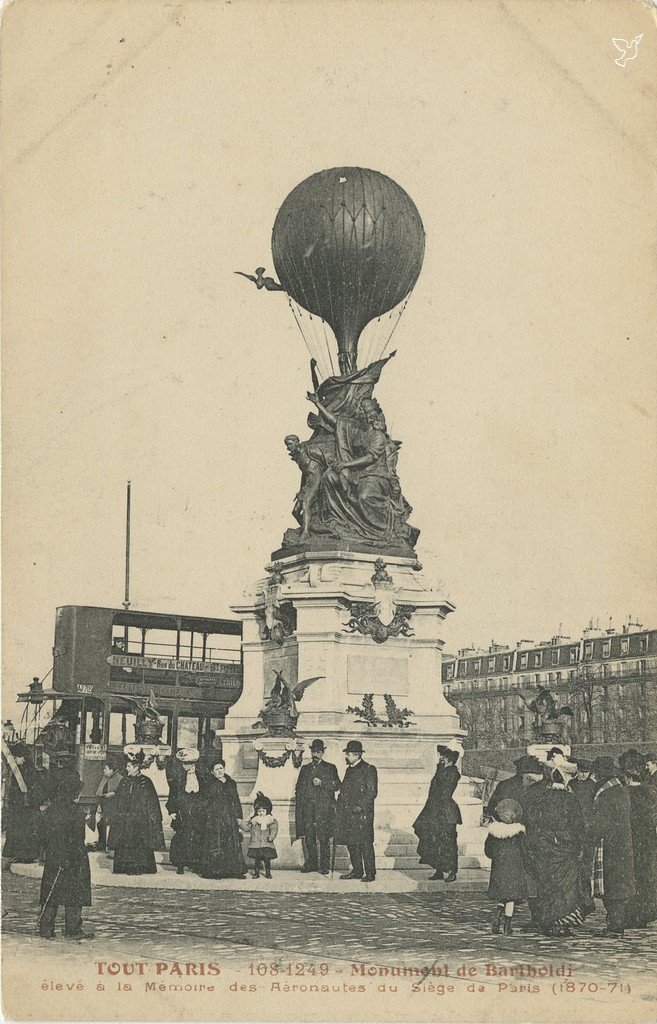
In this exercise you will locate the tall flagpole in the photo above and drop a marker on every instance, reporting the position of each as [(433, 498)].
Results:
[(126, 600)]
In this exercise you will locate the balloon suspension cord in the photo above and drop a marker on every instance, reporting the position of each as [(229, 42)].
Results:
[(318, 344)]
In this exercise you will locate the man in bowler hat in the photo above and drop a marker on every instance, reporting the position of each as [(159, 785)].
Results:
[(317, 784), (354, 823)]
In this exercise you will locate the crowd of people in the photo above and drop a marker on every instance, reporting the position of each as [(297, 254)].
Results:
[(559, 832), (45, 822)]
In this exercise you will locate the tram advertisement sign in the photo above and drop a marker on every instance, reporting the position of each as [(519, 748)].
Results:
[(95, 751), (165, 664)]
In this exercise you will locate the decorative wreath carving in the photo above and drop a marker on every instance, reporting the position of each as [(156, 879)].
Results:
[(278, 760), (364, 619)]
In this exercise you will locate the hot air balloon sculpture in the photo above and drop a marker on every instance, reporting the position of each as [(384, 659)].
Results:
[(348, 245)]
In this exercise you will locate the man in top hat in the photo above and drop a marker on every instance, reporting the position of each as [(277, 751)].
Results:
[(354, 821), (186, 804), (611, 832), (317, 784)]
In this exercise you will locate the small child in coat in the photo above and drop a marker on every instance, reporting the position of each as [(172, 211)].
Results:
[(504, 845), (262, 828)]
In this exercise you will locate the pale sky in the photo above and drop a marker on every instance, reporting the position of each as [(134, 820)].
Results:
[(147, 147)]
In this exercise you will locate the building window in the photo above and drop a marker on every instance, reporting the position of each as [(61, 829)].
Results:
[(463, 668), (606, 671), (574, 655), (606, 648), (523, 661), (450, 671), (643, 644), (625, 645), (538, 659), (588, 652), (506, 664), (558, 677), (555, 657), (477, 667), (505, 681), (491, 664)]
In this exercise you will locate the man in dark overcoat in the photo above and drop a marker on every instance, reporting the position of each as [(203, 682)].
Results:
[(22, 809), (611, 831), (62, 769), (317, 784), (529, 772), (642, 910), (437, 822), (354, 816), (66, 877), (583, 786)]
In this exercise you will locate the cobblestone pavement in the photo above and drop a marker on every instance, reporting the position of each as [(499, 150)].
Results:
[(389, 929)]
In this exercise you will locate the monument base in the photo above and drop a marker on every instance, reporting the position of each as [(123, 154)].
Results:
[(354, 643)]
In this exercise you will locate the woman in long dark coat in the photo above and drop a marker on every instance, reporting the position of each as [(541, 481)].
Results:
[(136, 829), (187, 807), (642, 909), (557, 836), (66, 878), (221, 851), (436, 824)]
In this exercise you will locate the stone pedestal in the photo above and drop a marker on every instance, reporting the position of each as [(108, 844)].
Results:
[(540, 750), (305, 620)]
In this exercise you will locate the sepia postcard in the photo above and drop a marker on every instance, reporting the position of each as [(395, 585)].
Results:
[(329, 475)]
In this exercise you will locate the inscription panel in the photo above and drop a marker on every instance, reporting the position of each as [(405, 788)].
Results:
[(380, 674)]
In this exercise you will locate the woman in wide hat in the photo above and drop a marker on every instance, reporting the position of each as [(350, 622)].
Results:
[(136, 829), (437, 822), (221, 847)]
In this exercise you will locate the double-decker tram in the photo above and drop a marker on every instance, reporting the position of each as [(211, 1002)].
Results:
[(108, 661)]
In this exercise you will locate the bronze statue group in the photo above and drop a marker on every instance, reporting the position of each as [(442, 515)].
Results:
[(559, 833)]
